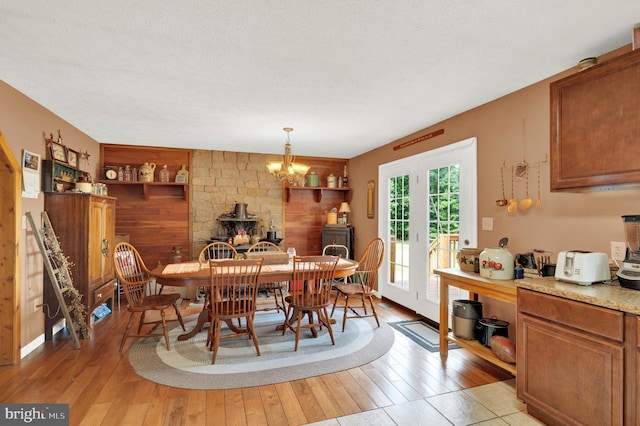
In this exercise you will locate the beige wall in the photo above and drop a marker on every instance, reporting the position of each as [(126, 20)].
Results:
[(22, 121), (566, 221), (586, 221)]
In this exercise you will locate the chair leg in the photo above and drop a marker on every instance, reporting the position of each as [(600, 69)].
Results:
[(300, 314), (324, 318), (175, 306), (141, 322), (216, 339), (280, 302), (373, 309), (126, 331), (286, 320), (344, 315), (252, 333), (335, 303), (165, 329)]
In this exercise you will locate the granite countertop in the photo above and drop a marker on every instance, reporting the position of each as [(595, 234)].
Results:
[(606, 295)]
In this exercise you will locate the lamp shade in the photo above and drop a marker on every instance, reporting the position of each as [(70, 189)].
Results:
[(344, 208)]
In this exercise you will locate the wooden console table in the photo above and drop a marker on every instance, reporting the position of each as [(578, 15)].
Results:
[(504, 290)]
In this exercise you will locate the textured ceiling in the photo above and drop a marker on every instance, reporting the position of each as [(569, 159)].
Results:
[(347, 75)]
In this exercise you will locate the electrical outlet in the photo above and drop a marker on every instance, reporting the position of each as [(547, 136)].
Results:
[(618, 250), (487, 224)]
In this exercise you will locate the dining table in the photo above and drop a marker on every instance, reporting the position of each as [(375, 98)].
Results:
[(196, 274)]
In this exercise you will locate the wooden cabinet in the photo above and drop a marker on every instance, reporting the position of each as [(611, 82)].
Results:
[(570, 360), (595, 124), (58, 177), (336, 234), (85, 226)]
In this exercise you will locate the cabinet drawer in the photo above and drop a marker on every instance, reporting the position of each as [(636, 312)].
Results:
[(582, 316), (103, 293)]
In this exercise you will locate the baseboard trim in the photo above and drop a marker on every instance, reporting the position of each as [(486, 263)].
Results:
[(33, 345)]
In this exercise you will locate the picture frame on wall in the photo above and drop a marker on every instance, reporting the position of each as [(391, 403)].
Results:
[(371, 187), (58, 152), (635, 41), (72, 158)]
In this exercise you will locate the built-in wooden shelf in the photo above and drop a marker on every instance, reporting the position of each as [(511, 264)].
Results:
[(155, 189), (317, 192)]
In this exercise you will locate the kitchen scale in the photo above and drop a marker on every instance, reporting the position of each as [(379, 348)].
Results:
[(629, 273)]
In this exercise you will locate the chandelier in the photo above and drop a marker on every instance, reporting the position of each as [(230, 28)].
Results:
[(287, 168)]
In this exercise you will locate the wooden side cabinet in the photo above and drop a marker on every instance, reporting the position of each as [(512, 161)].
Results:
[(343, 235), (570, 360), (85, 226)]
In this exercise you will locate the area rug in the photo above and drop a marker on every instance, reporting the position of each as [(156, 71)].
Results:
[(422, 333), (188, 364)]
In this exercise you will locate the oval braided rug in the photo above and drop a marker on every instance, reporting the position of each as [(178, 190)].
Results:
[(188, 364)]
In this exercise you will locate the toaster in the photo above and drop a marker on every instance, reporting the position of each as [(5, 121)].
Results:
[(582, 267)]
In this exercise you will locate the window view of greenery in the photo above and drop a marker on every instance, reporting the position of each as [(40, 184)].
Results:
[(444, 217), (399, 230), (444, 202), (443, 222)]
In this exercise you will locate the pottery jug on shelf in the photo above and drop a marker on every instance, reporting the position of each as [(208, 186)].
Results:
[(146, 172)]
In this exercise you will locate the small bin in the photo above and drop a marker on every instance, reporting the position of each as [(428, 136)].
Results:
[(466, 313), (467, 257)]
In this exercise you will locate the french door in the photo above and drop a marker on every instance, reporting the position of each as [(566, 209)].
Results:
[(428, 211)]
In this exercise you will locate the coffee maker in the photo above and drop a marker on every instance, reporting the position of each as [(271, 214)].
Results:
[(629, 273)]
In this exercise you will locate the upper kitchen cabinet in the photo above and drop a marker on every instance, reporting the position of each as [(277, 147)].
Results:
[(595, 126)]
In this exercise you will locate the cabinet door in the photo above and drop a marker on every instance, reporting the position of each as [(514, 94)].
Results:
[(338, 235), (569, 377), (94, 252), (595, 122), (109, 235), (101, 240)]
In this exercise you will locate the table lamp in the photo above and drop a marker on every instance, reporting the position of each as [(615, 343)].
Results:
[(344, 209)]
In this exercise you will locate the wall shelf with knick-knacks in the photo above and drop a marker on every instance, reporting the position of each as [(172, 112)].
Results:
[(60, 177), (155, 189), (317, 192)]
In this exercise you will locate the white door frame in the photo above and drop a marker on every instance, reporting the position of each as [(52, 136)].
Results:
[(463, 153)]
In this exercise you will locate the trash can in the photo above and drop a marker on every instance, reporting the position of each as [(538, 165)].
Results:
[(465, 315)]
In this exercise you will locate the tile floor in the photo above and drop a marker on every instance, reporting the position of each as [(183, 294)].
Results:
[(488, 405)]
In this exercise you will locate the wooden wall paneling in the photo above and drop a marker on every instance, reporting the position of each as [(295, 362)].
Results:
[(159, 219), (304, 218)]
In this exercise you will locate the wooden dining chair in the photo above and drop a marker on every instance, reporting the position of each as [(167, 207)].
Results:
[(232, 295), (214, 250), (277, 288), (142, 297), (339, 250), (316, 272), (217, 250), (361, 285)]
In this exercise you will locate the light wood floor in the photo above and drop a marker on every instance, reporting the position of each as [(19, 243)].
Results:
[(101, 387)]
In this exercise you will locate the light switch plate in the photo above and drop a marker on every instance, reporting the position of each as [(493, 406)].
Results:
[(487, 224), (618, 250)]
